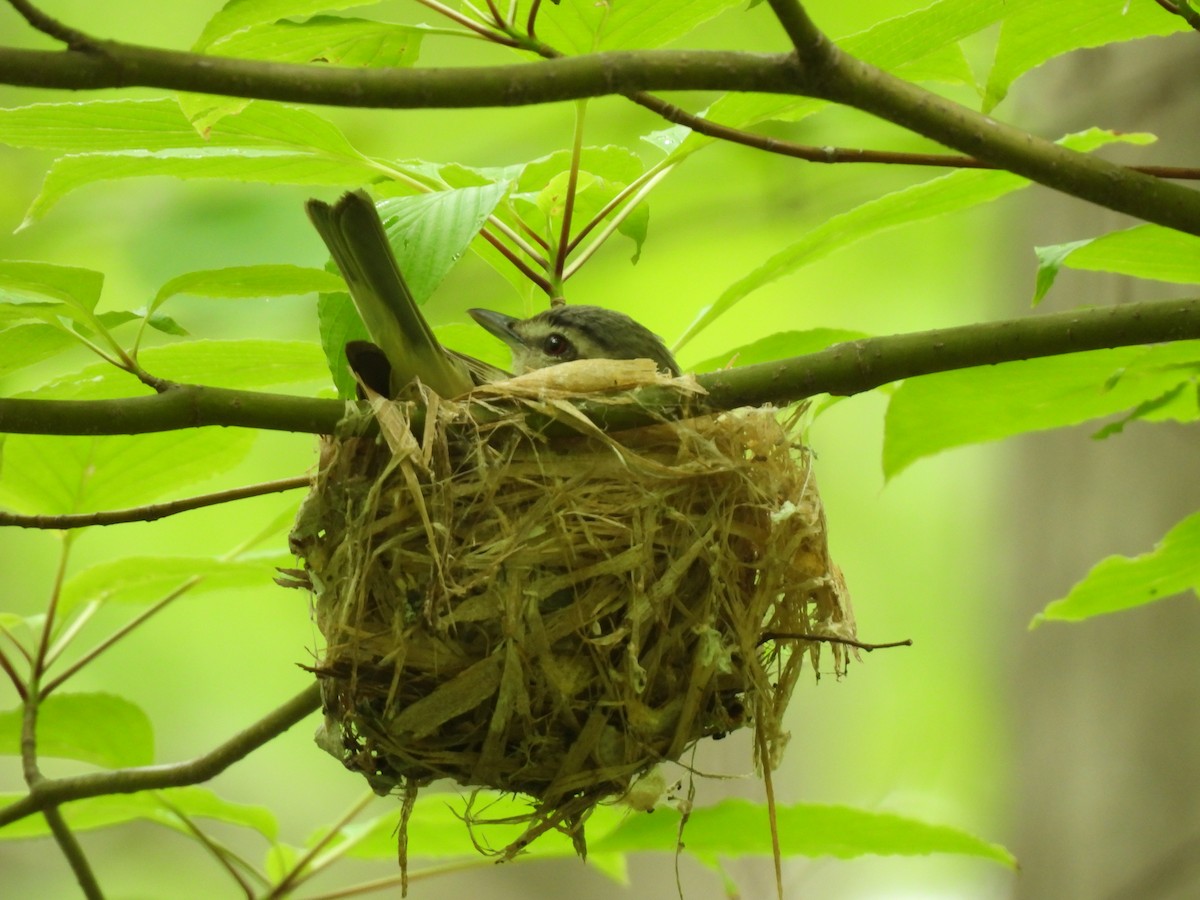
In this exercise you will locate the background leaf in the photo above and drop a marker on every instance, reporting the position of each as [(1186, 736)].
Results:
[(935, 412), (101, 729), (1121, 582)]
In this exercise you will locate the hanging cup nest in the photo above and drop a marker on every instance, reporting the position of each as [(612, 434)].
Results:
[(555, 611)]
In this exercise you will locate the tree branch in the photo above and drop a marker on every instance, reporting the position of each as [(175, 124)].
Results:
[(50, 793), (821, 71), (843, 369), (152, 511), (111, 64)]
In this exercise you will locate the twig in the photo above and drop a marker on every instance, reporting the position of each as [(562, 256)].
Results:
[(218, 852), (53, 792), (297, 875), (1183, 9), (801, 31), (153, 511), (74, 39), (531, 22), (14, 676), (829, 639), (66, 841)]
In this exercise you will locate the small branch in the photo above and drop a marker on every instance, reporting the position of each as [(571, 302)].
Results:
[(843, 155), (66, 841), (182, 406), (563, 245), (829, 639), (14, 676), (1184, 9), (155, 510), (76, 40), (52, 792), (804, 35)]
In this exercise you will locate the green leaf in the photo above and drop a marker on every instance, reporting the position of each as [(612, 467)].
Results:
[(937, 197), (949, 409), (76, 289), (1030, 36), (1050, 262), (24, 345), (611, 162), (1144, 251), (101, 729), (246, 365), (281, 859), (237, 282), (330, 39), (239, 15), (117, 809), (781, 345), (736, 827), (437, 831), (1178, 403), (153, 125), (70, 173), (53, 475), (583, 27), (145, 579), (430, 232), (1122, 582)]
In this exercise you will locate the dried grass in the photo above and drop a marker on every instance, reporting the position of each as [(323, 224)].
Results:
[(556, 617)]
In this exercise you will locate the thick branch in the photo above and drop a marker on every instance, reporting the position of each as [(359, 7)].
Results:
[(822, 71), (113, 64), (180, 406), (50, 793), (843, 369), (855, 83)]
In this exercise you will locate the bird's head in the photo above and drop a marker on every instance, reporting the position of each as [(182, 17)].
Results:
[(564, 333)]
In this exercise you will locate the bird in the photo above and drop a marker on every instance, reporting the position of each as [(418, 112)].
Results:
[(564, 333), (404, 347)]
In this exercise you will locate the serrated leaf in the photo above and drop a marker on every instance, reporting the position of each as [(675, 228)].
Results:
[(781, 345), (75, 290), (268, 166), (937, 197), (24, 345), (1178, 403), (239, 15), (146, 579), (1144, 251), (153, 125), (101, 729), (612, 162), (53, 475), (117, 809), (238, 282), (330, 39), (586, 27), (1032, 35), (1121, 582), (736, 827), (936, 412)]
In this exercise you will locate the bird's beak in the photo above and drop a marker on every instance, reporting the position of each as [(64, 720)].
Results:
[(499, 325)]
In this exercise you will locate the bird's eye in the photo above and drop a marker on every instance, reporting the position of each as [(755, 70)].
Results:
[(555, 344)]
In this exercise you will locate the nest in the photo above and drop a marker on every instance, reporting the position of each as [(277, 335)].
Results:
[(552, 610)]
